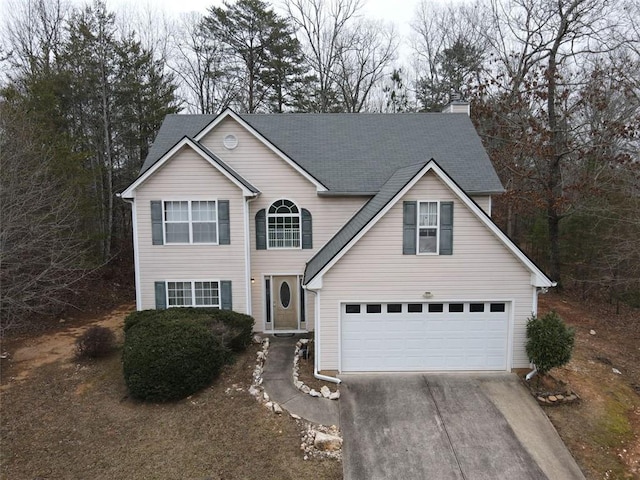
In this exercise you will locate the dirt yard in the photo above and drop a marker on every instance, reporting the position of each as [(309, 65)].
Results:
[(64, 419), (603, 429)]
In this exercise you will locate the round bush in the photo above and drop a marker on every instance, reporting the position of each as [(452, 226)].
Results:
[(550, 342), (95, 342), (169, 359)]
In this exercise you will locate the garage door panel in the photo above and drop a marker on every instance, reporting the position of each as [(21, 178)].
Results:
[(425, 340)]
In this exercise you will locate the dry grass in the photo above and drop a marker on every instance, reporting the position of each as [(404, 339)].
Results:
[(602, 431), (70, 420)]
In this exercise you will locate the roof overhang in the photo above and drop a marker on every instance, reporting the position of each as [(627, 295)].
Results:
[(130, 191), (538, 278)]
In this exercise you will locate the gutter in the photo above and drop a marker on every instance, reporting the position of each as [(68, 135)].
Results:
[(316, 339)]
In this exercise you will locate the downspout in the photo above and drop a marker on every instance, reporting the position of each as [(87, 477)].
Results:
[(316, 339), (536, 292)]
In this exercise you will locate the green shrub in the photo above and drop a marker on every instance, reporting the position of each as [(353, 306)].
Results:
[(550, 342), (95, 342), (237, 334), (170, 358)]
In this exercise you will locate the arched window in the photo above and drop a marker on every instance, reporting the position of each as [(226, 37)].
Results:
[(283, 225)]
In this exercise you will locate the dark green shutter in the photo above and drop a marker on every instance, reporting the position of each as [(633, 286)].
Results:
[(223, 223), (161, 296), (409, 222), (446, 228), (225, 295), (156, 222), (307, 235), (261, 230)]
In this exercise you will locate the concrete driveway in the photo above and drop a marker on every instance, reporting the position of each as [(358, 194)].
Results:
[(448, 426)]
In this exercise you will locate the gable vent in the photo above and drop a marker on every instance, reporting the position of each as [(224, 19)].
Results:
[(230, 142)]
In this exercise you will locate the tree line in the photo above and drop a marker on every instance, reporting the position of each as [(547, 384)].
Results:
[(554, 89)]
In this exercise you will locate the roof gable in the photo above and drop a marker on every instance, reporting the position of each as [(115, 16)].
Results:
[(393, 190), (353, 154), (246, 187), (228, 113)]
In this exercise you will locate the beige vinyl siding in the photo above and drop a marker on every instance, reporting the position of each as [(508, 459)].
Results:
[(187, 176), (276, 180), (375, 270), (484, 202)]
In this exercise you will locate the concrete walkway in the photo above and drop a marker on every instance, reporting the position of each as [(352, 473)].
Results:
[(278, 383)]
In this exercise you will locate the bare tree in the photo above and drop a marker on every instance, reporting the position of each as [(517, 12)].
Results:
[(203, 65), (40, 252), (364, 57), (322, 26)]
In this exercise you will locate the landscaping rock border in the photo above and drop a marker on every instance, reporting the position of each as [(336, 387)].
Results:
[(318, 441), (324, 392), (552, 398)]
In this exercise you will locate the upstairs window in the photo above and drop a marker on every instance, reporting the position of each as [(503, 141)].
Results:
[(428, 227), (283, 225), (190, 222)]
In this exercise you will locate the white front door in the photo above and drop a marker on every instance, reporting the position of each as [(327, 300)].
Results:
[(378, 337), (284, 297)]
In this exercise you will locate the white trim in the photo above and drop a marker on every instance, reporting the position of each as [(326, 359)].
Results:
[(299, 277), (538, 278), (186, 141), (136, 252), (193, 293), (230, 113), (247, 256), (437, 227), (275, 215)]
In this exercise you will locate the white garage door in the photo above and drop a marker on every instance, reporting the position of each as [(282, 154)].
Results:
[(378, 337)]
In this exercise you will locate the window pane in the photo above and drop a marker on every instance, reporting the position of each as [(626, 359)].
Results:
[(179, 294), (284, 232), (428, 214), (353, 308), (497, 307), (374, 308), (394, 308), (476, 307), (456, 307), (176, 211), (203, 211), (207, 293), (204, 233), (428, 240), (177, 232), (414, 308), (436, 308)]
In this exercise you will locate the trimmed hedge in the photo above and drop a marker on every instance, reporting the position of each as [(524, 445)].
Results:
[(170, 354), (550, 342), (239, 326)]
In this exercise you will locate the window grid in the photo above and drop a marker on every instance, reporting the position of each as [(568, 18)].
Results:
[(428, 227), (283, 225), (191, 221), (193, 293)]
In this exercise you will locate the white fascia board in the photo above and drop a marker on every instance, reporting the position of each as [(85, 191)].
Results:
[(538, 278), (230, 113), (186, 141), (541, 280)]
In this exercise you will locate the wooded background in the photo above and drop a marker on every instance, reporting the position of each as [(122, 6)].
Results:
[(554, 88)]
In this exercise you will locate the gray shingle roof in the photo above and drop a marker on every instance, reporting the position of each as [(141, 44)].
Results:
[(357, 153), (390, 189), (227, 168)]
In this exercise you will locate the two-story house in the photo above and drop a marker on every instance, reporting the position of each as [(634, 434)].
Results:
[(372, 230)]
